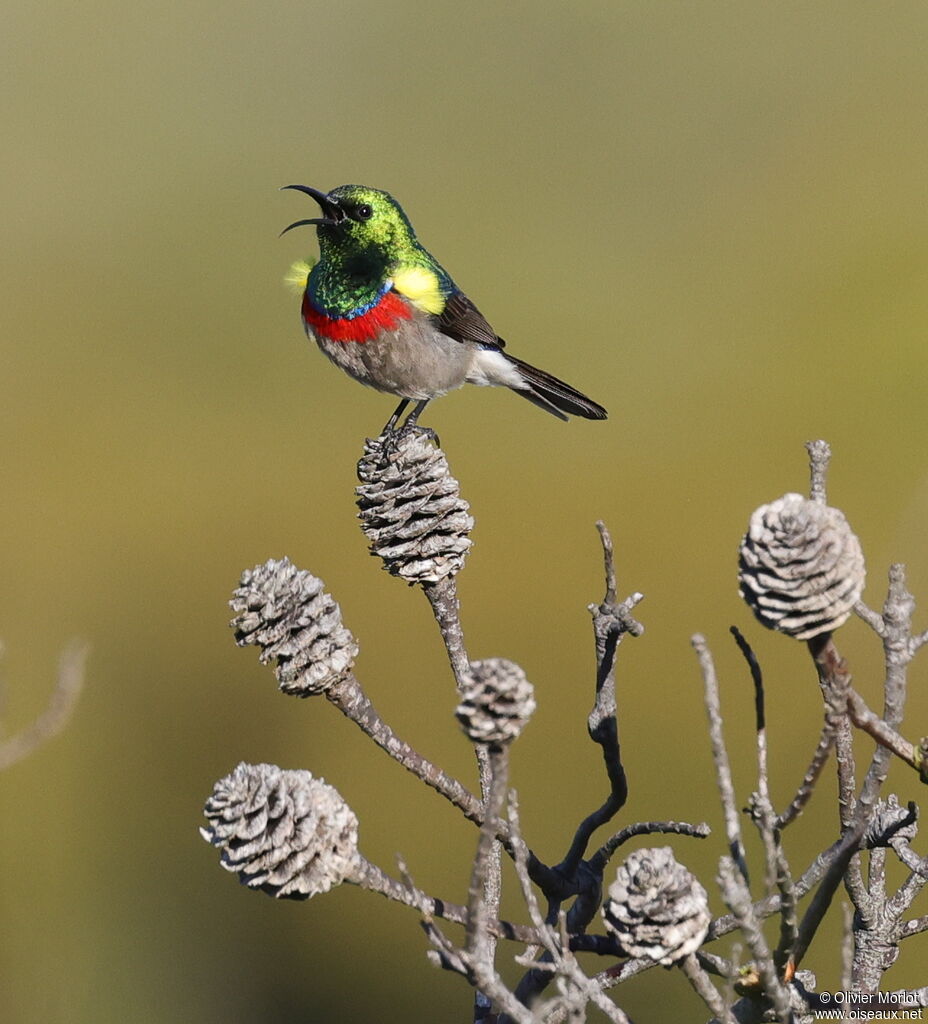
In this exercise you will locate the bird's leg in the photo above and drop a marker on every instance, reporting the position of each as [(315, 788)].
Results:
[(394, 419), (413, 417), (410, 422)]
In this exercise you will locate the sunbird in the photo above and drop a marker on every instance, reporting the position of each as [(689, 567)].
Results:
[(381, 307)]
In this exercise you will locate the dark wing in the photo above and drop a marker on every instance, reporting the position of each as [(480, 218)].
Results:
[(461, 320)]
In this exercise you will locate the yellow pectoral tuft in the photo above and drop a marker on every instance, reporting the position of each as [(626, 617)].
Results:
[(420, 285), (297, 276)]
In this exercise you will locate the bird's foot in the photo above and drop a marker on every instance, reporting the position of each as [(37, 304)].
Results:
[(412, 419), (392, 439), (393, 432), (432, 435)]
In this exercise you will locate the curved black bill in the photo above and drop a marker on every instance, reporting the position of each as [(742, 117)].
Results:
[(333, 213)]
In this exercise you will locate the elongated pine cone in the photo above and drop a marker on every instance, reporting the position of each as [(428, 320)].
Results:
[(801, 569), (411, 509), (497, 703), (285, 611), (656, 908), (282, 832)]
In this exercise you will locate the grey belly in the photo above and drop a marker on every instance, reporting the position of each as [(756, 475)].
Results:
[(415, 361)]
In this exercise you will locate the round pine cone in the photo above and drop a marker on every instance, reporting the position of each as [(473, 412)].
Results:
[(497, 702), (800, 569), (411, 509), (284, 611), (656, 908), (282, 832)]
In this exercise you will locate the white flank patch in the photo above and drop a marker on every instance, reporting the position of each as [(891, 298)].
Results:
[(492, 367)]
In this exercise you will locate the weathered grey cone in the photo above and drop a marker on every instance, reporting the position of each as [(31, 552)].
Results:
[(411, 509), (656, 908), (286, 612), (497, 703), (801, 569), (890, 821), (282, 832)]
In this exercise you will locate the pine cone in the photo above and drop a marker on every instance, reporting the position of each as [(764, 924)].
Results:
[(656, 908), (282, 832), (801, 569), (411, 509), (497, 703), (285, 612)]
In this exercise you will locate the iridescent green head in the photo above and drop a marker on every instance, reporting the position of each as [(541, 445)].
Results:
[(359, 221)]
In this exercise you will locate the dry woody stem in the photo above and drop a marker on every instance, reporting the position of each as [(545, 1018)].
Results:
[(611, 898)]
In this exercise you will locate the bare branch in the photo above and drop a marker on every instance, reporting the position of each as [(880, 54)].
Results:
[(807, 787), (642, 828), (736, 895), (611, 622), (835, 680), (706, 991), (906, 894), (884, 734), (61, 704), (873, 619), (899, 647), (349, 697), (918, 641), (819, 457), (443, 598), (916, 926), (761, 808), (845, 850), (719, 753), (477, 904), (609, 562), (372, 877)]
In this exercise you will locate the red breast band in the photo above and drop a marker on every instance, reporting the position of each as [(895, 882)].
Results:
[(387, 315)]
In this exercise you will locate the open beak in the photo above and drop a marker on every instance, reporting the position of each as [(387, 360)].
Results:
[(333, 214)]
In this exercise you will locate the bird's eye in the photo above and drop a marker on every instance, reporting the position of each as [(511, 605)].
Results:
[(364, 212)]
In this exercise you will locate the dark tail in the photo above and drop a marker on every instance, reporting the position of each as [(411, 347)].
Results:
[(553, 395)]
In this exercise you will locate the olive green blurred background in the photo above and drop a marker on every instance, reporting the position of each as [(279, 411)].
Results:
[(710, 217)]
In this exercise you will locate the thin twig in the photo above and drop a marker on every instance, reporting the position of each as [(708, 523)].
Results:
[(906, 894), (611, 622), (819, 457), (704, 988), (738, 898), (886, 737), (349, 697), (557, 945), (762, 813), (712, 963), (443, 598), (835, 680), (643, 828), (369, 876), (477, 909), (61, 704), (807, 787), (719, 753), (847, 849)]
